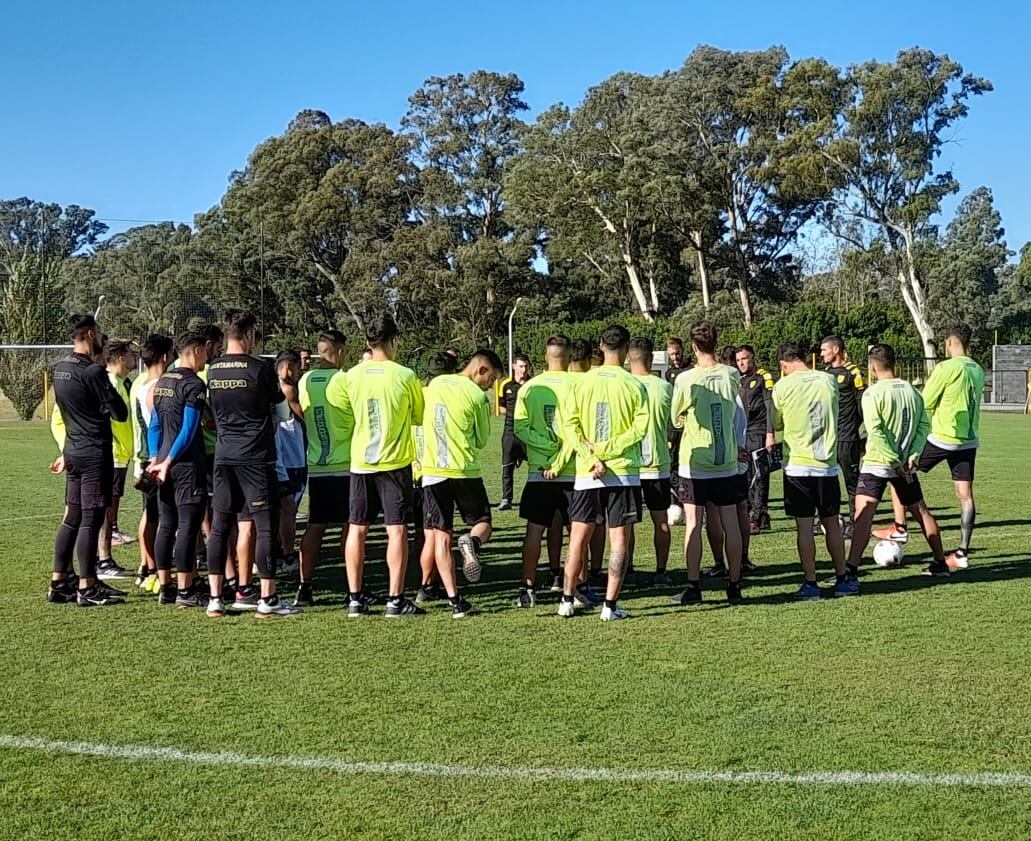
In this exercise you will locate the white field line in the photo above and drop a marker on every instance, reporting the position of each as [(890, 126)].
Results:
[(522, 773)]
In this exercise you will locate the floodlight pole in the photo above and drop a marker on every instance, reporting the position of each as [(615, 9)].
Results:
[(100, 303), (511, 315)]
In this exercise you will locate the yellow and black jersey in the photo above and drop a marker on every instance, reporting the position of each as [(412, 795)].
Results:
[(755, 395), (851, 386)]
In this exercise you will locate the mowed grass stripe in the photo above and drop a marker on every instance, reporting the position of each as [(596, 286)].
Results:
[(527, 773)]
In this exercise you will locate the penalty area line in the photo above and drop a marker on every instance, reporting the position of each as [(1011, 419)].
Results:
[(529, 773)]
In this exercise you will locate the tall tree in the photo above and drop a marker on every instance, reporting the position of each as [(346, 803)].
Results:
[(329, 197), (900, 116), (581, 181), (748, 126), (465, 131)]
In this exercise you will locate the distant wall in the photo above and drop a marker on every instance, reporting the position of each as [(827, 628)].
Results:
[(1010, 364)]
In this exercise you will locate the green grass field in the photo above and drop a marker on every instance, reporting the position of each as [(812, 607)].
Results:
[(915, 676)]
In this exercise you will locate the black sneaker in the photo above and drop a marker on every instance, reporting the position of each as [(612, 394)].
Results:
[(108, 590), (62, 592), (689, 595), (846, 530), (108, 570), (168, 594), (94, 597), (229, 586), (716, 571), (748, 568), (460, 610), (305, 596), (357, 608), (526, 597), (432, 593), (734, 592), (505, 505), (195, 596), (402, 607), (246, 599), (936, 569)]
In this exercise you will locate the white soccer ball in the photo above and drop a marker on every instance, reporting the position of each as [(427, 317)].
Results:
[(887, 553), (675, 513)]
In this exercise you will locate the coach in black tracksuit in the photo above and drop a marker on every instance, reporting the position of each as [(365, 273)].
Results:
[(757, 398), (851, 386), (88, 403), (513, 451)]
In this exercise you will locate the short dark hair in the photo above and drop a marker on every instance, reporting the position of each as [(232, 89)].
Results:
[(746, 348), (790, 352), (834, 342), (379, 330), (442, 362), (675, 340), (116, 349), (485, 354), (615, 337), (521, 357), (558, 340), (238, 324), (727, 354), (290, 356), (211, 332), (580, 350), (882, 355), (154, 348), (641, 346), (333, 337), (80, 325), (962, 332), (704, 336), (597, 356), (189, 339)]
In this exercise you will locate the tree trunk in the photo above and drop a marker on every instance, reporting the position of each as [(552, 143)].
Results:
[(916, 300), (703, 267), (633, 273), (746, 303), (339, 287)]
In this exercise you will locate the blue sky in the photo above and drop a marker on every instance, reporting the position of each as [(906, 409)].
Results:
[(141, 110)]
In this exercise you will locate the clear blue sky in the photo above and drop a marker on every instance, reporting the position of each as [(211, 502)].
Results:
[(140, 110)]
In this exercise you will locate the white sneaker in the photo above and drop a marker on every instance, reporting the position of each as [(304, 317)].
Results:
[(611, 614), (216, 607), (272, 606), (675, 514), (566, 609), (472, 569), (891, 533)]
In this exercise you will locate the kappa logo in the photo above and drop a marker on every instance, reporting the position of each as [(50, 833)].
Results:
[(224, 384)]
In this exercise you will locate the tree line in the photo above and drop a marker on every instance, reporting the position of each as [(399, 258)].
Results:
[(739, 187)]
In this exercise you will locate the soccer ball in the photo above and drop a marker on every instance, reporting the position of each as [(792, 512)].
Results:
[(887, 553), (675, 514)]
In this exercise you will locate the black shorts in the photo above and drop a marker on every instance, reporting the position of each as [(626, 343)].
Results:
[(806, 496), (296, 479), (416, 518), (186, 485), (388, 493), (513, 450), (329, 499), (244, 488), (961, 462), (621, 505), (118, 482), (655, 493), (440, 500), (543, 500), (742, 487), (722, 490), (88, 481), (907, 490), (209, 464)]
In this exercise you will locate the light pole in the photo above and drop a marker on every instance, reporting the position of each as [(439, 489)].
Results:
[(100, 303), (511, 315)]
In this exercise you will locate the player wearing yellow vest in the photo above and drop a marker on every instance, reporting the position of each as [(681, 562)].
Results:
[(655, 455), (538, 413), (329, 421), (608, 419), (952, 397), (156, 352), (805, 406), (896, 428), (386, 399), (456, 425), (707, 405)]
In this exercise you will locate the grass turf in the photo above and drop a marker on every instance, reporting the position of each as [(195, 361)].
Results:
[(915, 675)]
